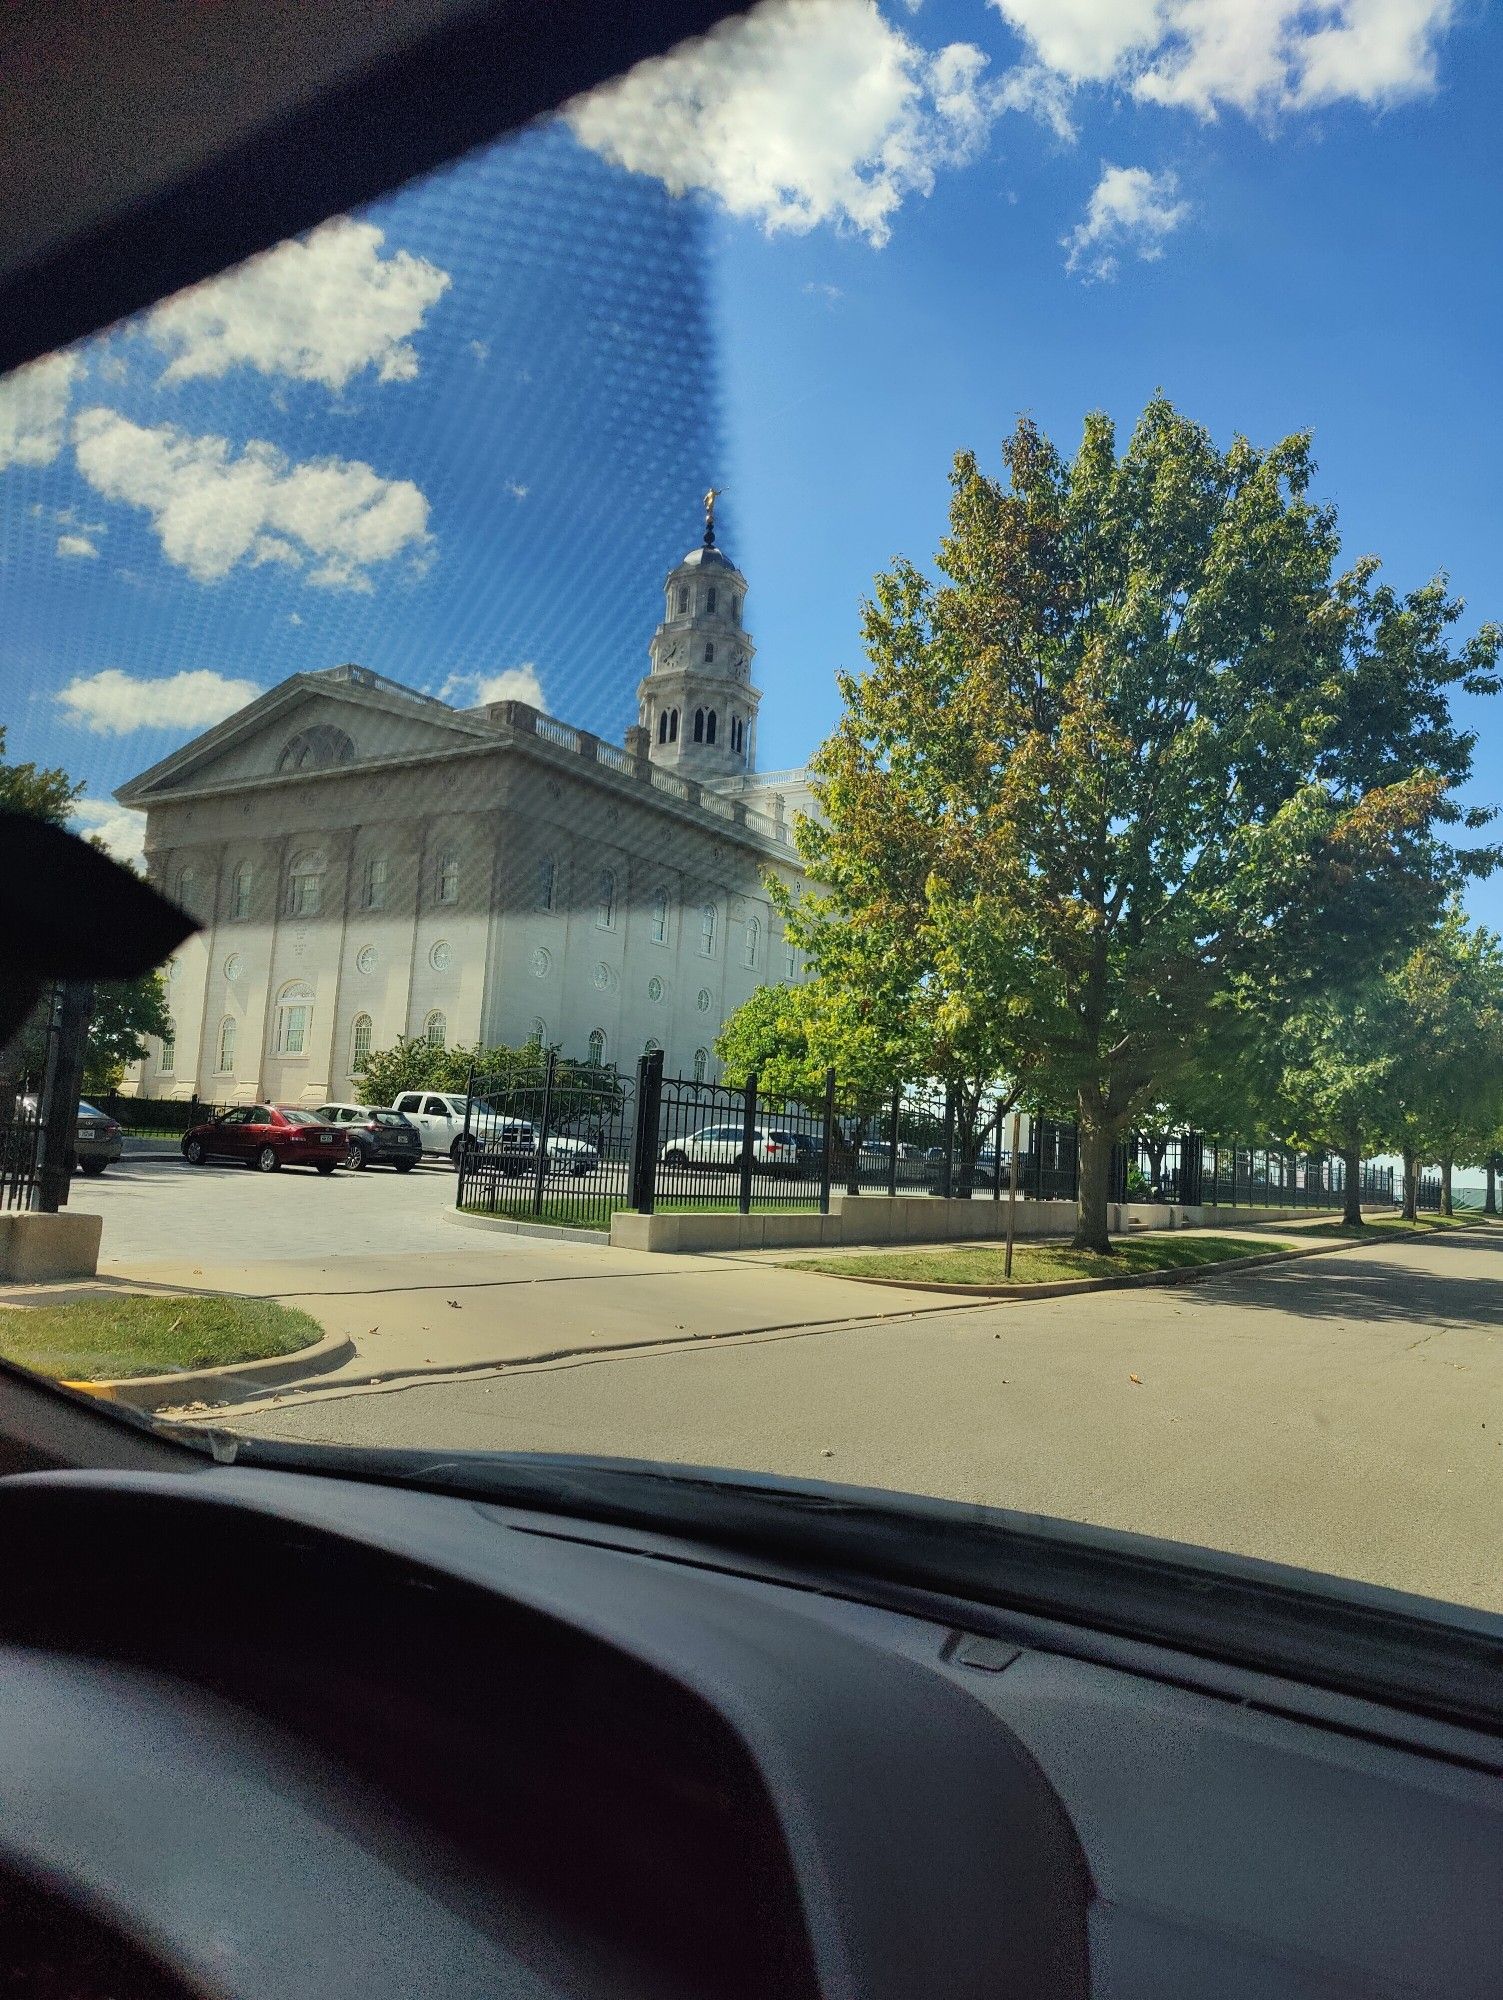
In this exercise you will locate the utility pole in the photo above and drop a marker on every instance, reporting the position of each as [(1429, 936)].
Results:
[(67, 1032)]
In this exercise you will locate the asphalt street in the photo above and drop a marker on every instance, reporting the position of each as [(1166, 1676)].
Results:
[(1343, 1413)]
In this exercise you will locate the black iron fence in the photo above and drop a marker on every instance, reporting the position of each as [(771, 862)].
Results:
[(558, 1144), (156, 1117), (19, 1142)]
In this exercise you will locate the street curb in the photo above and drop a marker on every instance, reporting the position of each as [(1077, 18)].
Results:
[(233, 1382), (1064, 1288), (508, 1225)]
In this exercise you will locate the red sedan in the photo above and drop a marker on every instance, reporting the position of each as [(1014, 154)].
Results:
[(267, 1136)]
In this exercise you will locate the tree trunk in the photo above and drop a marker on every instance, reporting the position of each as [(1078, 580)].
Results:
[(1351, 1161), (1411, 1186), (1093, 1187), (1445, 1186), (1490, 1204)]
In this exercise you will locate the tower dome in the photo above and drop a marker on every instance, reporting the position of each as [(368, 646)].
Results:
[(696, 700)]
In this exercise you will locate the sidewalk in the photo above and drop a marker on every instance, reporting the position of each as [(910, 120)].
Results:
[(534, 1301)]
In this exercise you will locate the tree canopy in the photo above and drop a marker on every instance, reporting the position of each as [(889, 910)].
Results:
[(1139, 757)]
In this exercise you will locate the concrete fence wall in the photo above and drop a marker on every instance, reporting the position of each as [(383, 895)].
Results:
[(918, 1218)]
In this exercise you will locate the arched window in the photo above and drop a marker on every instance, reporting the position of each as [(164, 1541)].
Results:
[(751, 942), (447, 876), (699, 725), (673, 725), (710, 601), (709, 652), (701, 1065), (240, 892), (663, 727), (790, 959), (186, 884), (707, 931), (305, 882), (650, 1047), (605, 901), (294, 1021), (360, 1043), (435, 1030), (738, 733), (735, 610), (167, 1060), (224, 1055), (710, 727), (314, 749), (597, 1047), (539, 1033), (377, 875), (683, 602), (547, 881), (660, 917)]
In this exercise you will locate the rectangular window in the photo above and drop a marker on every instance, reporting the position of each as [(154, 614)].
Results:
[(710, 603), (707, 931), (168, 1058), (240, 892), (294, 1030), (226, 1059), (547, 882), (660, 917), (376, 873), (448, 878)]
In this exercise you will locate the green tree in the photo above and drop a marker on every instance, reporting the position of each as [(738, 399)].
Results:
[(125, 1012), (584, 1093), (1335, 1080), (1448, 1089), (1141, 760), (43, 791)]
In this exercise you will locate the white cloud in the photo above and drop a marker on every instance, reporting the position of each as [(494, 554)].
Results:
[(801, 112), (517, 490), (75, 545), (1251, 55), (213, 509), (1130, 209), (481, 349), (294, 618), (830, 295), (511, 684), (111, 703), (119, 830), (319, 309), (34, 410)]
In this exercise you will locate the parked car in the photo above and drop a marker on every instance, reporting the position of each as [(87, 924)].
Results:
[(376, 1136), (989, 1171), (439, 1117), (97, 1142), (776, 1148), (267, 1136), (513, 1142)]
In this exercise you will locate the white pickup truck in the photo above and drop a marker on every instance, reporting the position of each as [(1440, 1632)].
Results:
[(439, 1117)]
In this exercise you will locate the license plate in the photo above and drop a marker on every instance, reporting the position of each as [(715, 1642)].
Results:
[(88, 1132), (326, 1138)]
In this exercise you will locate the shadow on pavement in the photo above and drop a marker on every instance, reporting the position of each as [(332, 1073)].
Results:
[(1355, 1285)]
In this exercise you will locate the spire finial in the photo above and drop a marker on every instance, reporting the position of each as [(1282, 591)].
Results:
[(711, 497)]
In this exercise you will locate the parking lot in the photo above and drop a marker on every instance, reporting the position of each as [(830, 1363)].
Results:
[(158, 1207)]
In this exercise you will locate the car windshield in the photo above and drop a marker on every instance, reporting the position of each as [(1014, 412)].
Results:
[(866, 663)]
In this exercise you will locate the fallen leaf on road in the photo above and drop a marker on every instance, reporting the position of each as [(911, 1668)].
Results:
[(1136, 1378), (456, 1305), (826, 1452)]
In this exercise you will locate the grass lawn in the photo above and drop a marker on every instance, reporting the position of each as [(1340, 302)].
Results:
[(98, 1339), (1395, 1225), (1041, 1263)]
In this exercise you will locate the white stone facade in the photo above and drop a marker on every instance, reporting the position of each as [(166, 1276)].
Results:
[(368, 863)]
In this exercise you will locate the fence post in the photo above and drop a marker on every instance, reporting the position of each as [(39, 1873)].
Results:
[(947, 1165), (829, 1140), (544, 1118), (1036, 1139), (464, 1137), (892, 1140), (644, 1145), (748, 1140), (997, 1155)]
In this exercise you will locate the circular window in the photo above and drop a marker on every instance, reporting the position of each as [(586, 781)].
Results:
[(542, 958), (174, 968), (440, 957), (704, 1000), (602, 977), (234, 965), (365, 959), (654, 989)]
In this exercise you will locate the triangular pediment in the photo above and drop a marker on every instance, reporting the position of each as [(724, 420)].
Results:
[(310, 723)]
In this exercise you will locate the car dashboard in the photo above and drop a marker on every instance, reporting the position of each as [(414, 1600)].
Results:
[(276, 1732)]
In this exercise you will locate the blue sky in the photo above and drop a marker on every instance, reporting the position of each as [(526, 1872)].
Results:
[(461, 441)]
